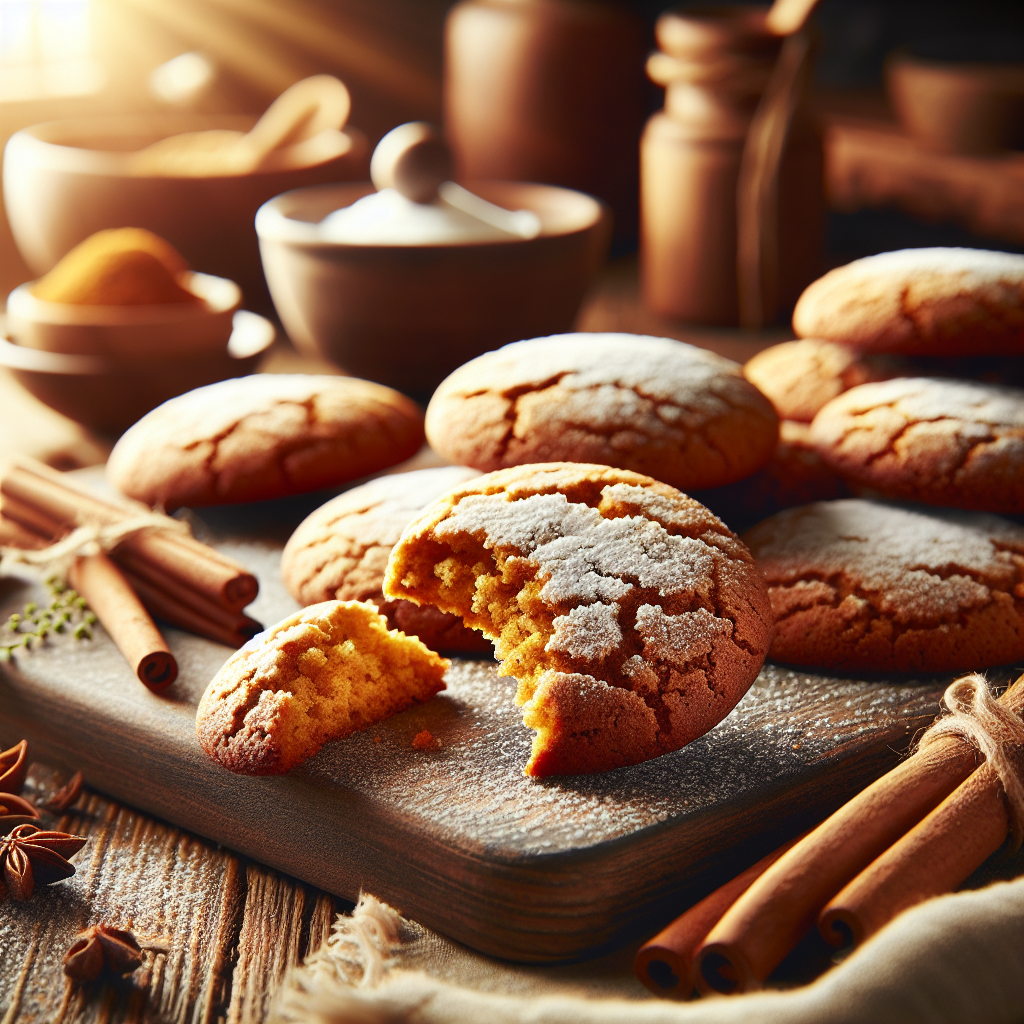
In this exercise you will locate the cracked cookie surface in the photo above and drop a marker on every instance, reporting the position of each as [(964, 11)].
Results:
[(870, 586), (799, 377), (941, 442), (933, 302), (341, 550), (677, 413), (264, 436), (632, 617), (318, 675)]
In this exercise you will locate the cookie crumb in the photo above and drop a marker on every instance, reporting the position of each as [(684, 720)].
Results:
[(424, 741)]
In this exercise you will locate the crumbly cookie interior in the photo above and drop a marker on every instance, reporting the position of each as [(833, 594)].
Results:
[(611, 583), (323, 673)]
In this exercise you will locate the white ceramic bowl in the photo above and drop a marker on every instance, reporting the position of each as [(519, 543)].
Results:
[(65, 180), (111, 395), (135, 334), (407, 315)]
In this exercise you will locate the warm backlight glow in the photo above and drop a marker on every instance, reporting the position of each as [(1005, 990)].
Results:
[(46, 50)]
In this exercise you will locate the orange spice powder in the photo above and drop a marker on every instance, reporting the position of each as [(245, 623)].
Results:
[(118, 267)]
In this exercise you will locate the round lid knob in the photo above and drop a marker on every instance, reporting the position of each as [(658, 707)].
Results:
[(412, 159)]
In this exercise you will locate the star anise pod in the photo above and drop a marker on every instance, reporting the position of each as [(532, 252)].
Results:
[(102, 947), (30, 857), (15, 811), (13, 767), (66, 795)]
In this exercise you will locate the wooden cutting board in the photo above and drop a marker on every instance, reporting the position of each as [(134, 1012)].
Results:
[(458, 838)]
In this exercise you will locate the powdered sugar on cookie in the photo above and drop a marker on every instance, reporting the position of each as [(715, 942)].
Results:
[(590, 578), (877, 586)]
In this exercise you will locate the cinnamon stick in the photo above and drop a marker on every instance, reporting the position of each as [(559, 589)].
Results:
[(14, 535), (197, 616), (212, 574), (781, 906), (121, 612), (933, 858), (31, 518), (665, 964)]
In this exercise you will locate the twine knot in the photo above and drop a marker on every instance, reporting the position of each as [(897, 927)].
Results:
[(991, 727), (55, 561)]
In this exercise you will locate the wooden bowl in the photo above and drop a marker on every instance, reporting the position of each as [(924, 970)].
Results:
[(971, 104), (110, 396), (133, 334), (65, 180), (408, 315)]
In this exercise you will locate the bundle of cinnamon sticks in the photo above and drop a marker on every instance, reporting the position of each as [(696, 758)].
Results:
[(154, 571), (917, 832)]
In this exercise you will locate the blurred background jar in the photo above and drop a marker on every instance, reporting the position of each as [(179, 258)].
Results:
[(548, 91), (715, 64)]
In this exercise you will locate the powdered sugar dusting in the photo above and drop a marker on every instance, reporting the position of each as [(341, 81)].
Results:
[(666, 635), (916, 566), (980, 263), (584, 557), (589, 632), (976, 406)]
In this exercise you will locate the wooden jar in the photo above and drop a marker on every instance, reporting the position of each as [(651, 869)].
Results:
[(548, 91), (715, 64)]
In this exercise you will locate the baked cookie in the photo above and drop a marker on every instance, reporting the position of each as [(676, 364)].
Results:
[(868, 586), (920, 301), (942, 442), (795, 475), (799, 377), (675, 412), (341, 551), (264, 436), (633, 619), (319, 675)]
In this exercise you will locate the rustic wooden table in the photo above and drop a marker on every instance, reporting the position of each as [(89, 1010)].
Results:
[(221, 930)]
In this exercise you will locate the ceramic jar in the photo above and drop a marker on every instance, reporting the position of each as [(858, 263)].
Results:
[(548, 91), (715, 64)]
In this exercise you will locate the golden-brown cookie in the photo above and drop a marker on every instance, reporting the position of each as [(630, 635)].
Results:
[(318, 675), (965, 302), (675, 412), (942, 442), (867, 586), (633, 619), (799, 377), (341, 551), (264, 436), (795, 475)]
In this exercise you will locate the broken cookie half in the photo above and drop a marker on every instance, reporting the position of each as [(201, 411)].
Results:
[(319, 675), (632, 617)]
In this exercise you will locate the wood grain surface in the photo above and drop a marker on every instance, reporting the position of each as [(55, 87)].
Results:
[(220, 930), (457, 837)]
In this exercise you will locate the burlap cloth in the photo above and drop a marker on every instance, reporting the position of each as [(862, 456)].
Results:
[(958, 959)]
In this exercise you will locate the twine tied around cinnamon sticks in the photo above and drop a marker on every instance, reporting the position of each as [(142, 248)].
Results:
[(917, 832), (56, 559), (992, 727), (155, 567)]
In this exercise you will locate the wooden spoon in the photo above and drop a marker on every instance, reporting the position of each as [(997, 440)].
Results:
[(302, 112)]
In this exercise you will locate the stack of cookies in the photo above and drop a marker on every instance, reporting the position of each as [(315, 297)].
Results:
[(632, 617), (883, 445), (906, 383)]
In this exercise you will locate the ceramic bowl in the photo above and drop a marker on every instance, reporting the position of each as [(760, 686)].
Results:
[(65, 180), (110, 396), (959, 95), (135, 334), (408, 315)]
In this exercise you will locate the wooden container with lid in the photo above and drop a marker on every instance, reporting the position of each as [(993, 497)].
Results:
[(716, 64)]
